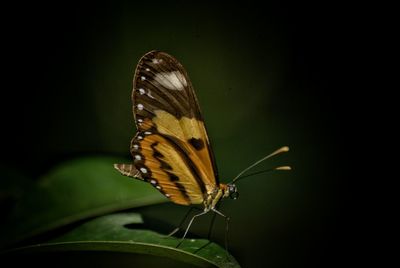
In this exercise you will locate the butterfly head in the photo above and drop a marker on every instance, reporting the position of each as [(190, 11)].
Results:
[(231, 191)]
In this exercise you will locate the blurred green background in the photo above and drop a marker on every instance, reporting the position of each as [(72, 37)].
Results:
[(265, 76)]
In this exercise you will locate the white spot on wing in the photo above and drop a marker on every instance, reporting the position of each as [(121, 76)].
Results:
[(143, 170), (140, 120), (135, 146), (143, 78), (172, 80), (168, 195), (153, 182), (147, 69), (156, 61), (141, 91), (158, 187), (140, 106), (138, 157)]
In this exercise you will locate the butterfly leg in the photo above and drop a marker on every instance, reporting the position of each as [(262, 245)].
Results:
[(190, 223), (209, 234), (182, 221), (226, 226)]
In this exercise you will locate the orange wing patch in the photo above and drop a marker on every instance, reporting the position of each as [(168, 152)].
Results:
[(161, 164)]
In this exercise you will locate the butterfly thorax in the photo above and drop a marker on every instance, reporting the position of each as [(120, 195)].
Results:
[(212, 198), (216, 195)]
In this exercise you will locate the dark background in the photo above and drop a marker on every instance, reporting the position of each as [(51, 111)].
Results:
[(266, 76)]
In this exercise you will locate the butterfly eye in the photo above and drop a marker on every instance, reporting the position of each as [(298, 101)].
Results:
[(233, 193)]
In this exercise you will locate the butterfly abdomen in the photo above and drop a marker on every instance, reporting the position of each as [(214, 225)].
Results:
[(128, 170)]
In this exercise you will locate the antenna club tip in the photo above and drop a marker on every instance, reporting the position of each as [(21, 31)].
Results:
[(284, 168), (285, 149)]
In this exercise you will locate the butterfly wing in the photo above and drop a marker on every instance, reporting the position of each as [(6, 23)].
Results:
[(171, 149)]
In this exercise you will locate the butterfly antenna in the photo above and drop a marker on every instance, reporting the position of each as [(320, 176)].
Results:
[(284, 149)]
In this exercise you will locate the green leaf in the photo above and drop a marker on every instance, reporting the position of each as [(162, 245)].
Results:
[(73, 191), (111, 233)]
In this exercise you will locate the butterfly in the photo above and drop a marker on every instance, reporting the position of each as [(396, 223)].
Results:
[(171, 149)]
